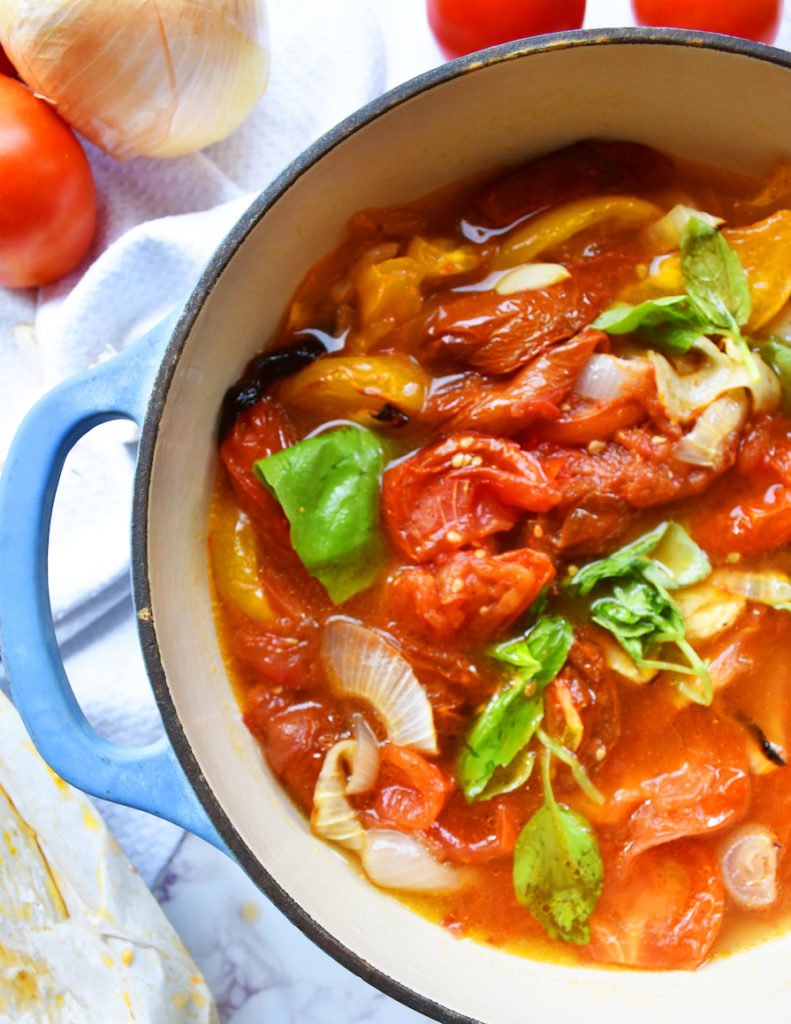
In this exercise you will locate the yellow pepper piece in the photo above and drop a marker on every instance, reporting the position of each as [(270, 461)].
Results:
[(236, 563), (443, 257), (561, 223), (358, 387), (390, 291), (765, 253)]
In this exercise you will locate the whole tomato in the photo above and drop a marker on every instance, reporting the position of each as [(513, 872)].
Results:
[(751, 19), (47, 197), (461, 26)]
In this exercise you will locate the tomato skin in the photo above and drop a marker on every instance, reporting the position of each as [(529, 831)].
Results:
[(476, 833), (752, 19), (47, 196), (6, 67), (461, 26), (664, 914), (459, 491), (470, 595), (410, 791)]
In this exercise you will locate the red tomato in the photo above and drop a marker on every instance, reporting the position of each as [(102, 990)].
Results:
[(296, 738), (664, 914), (258, 432), (410, 791), (472, 595), (460, 490), (534, 393), (476, 833), (752, 19), (461, 26), (6, 67), (47, 198), (284, 654)]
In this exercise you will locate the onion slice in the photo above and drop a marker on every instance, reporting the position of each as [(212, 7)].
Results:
[(666, 233), (366, 759), (363, 664), (704, 444), (765, 587), (333, 817), (398, 861), (605, 377), (748, 861)]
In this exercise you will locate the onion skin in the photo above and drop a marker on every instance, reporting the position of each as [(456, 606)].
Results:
[(142, 78)]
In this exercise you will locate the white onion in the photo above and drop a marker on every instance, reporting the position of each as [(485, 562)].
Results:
[(703, 445), (605, 377), (332, 816), (766, 586), (708, 609), (363, 664), (748, 861), (398, 861), (666, 233), (685, 396), (138, 77), (366, 760), (531, 277)]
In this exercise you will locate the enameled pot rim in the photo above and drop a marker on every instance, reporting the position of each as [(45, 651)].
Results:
[(150, 430)]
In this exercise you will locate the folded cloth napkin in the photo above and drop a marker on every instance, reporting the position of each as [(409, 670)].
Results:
[(158, 223)]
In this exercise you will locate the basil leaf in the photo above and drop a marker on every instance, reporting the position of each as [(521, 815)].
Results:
[(777, 353), (510, 719), (637, 608), (545, 646), (625, 319), (558, 870), (714, 277), (620, 563), (674, 338), (328, 487)]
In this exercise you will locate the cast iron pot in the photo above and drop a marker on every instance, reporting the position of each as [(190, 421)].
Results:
[(707, 98)]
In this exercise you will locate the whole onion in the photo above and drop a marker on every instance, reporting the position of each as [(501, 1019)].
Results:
[(154, 78)]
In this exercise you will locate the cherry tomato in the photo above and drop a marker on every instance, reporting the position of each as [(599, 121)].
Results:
[(752, 19), (667, 924), (461, 26), (471, 595), (47, 197), (477, 833), (459, 491), (6, 67), (410, 791)]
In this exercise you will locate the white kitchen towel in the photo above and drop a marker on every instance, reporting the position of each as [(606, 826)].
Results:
[(159, 222)]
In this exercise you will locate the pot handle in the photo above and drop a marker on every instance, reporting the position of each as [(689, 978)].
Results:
[(149, 777)]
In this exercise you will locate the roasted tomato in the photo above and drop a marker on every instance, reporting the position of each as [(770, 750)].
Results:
[(506, 407), (478, 833), (501, 333), (409, 792), (470, 595), (284, 653), (664, 913), (759, 517), (295, 737), (459, 491)]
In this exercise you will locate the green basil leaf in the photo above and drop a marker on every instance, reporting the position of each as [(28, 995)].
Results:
[(505, 727), (512, 776), (510, 719), (777, 353), (558, 869), (714, 277), (671, 337), (623, 562), (670, 309), (545, 646), (328, 487)]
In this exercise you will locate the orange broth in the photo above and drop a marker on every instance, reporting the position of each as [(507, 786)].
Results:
[(677, 778)]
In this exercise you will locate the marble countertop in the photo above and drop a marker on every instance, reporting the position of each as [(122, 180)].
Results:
[(259, 966)]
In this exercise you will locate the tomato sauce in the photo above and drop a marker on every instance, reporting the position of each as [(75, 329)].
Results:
[(523, 437)]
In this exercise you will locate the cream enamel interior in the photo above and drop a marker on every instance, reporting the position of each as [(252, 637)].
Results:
[(715, 106)]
